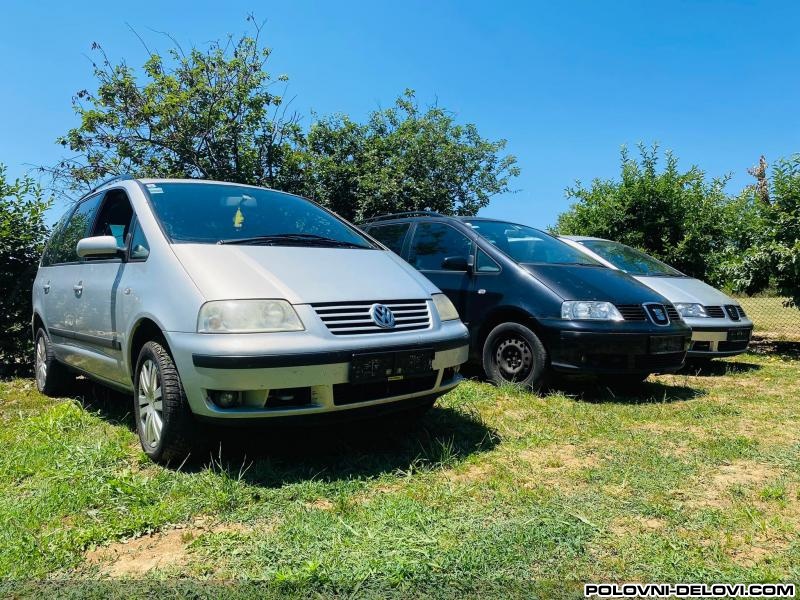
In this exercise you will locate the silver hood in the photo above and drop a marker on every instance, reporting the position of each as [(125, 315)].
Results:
[(687, 289), (300, 275)]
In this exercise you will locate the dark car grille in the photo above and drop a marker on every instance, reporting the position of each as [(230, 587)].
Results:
[(715, 312), (732, 346), (632, 312), (352, 393), (350, 318), (672, 313), (733, 312), (660, 361), (741, 312)]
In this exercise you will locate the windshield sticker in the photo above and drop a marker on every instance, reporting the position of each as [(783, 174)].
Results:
[(154, 189), (238, 218)]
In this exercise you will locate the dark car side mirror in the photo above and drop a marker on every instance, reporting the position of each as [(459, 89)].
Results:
[(456, 263)]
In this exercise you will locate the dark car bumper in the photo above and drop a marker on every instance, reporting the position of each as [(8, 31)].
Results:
[(608, 352)]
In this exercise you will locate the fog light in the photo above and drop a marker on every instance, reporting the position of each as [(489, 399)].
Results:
[(224, 399)]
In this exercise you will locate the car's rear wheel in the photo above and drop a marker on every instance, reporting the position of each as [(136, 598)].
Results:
[(512, 353), (52, 378), (168, 432)]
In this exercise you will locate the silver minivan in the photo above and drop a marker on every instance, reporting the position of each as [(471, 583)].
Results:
[(217, 302), (719, 324)]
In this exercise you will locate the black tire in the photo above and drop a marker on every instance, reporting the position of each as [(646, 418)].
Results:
[(512, 353), (52, 378), (173, 434)]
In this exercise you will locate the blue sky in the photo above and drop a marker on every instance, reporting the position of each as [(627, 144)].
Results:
[(565, 83)]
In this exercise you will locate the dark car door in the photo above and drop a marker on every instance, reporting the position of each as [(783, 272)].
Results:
[(444, 255)]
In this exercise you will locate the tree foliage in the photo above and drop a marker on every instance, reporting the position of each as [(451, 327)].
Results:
[(22, 237), (772, 260), (211, 113), (207, 113), (403, 158), (680, 217)]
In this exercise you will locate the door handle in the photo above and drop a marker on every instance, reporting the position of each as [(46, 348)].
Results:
[(46, 287), (78, 287)]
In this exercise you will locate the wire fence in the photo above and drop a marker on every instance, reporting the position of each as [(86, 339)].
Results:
[(772, 319)]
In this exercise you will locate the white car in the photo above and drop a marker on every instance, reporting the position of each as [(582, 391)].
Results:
[(229, 303), (719, 324)]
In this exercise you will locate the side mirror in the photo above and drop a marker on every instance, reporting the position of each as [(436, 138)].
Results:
[(456, 263), (99, 245)]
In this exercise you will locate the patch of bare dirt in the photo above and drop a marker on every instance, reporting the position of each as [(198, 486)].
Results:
[(170, 548), (745, 473), (470, 474), (623, 526), (320, 504)]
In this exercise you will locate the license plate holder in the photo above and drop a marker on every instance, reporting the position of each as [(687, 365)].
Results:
[(665, 344), (391, 366)]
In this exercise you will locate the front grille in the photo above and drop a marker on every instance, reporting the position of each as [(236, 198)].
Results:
[(672, 313), (632, 312), (351, 318), (352, 393), (733, 312), (741, 312), (660, 361), (732, 346), (715, 312)]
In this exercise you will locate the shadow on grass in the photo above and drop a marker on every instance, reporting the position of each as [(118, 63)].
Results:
[(717, 368), (784, 349), (649, 392), (278, 454)]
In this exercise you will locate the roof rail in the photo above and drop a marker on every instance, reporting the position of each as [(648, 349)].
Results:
[(123, 177), (410, 213)]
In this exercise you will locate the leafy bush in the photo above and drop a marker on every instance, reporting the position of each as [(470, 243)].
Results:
[(22, 236), (680, 217)]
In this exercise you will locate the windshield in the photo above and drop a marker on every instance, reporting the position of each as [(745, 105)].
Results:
[(630, 260), (528, 245), (210, 213)]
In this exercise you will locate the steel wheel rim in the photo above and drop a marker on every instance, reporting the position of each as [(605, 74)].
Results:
[(41, 362), (514, 359), (151, 416)]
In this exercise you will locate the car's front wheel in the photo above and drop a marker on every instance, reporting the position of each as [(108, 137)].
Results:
[(513, 353), (52, 378), (167, 429)]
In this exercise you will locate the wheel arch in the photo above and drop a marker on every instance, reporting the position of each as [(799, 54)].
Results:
[(507, 314), (144, 330)]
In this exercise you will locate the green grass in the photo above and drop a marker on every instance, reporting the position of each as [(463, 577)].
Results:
[(772, 319), (498, 492)]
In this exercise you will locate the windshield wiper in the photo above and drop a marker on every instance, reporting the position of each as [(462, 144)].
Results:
[(292, 239)]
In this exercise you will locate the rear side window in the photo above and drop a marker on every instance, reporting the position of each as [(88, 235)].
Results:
[(392, 236), (433, 242), (62, 246)]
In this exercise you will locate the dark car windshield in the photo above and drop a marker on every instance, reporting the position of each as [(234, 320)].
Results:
[(210, 213), (528, 245), (630, 260)]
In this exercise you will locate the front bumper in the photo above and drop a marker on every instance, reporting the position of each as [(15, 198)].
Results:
[(297, 374), (580, 349), (719, 340)]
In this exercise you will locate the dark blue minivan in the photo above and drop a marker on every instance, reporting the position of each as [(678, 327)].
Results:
[(534, 305)]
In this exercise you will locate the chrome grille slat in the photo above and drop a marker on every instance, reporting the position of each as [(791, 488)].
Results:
[(352, 318)]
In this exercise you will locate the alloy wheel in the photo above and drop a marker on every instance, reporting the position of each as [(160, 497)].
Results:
[(151, 416), (41, 362)]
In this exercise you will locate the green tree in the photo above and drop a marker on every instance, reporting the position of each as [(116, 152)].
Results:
[(773, 259), (22, 237), (680, 217), (207, 113), (402, 158)]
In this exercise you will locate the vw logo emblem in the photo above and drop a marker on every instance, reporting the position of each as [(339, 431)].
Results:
[(382, 316)]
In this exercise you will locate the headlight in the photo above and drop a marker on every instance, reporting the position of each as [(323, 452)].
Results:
[(590, 310), (247, 316), (687, 309), (445, 308)]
